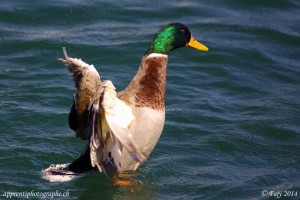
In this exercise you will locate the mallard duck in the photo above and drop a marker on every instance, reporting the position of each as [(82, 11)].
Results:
[(122, 128)]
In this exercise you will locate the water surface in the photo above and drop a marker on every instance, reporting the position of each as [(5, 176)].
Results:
[(232, 126)]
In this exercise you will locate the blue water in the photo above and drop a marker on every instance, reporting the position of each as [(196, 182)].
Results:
[(232, 126)]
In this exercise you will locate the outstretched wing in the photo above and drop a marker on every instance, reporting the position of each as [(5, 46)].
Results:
[(99, 115), (87, 81), (120, 118), (111, 129)]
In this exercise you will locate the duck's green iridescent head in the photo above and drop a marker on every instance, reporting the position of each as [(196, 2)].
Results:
[(173, 36)]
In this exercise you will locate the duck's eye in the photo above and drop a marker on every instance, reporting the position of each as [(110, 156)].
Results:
[(182, 31)]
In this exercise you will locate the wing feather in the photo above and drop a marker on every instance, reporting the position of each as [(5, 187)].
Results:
[(98, 114), (120, 117), (111, 129), (87, 81)]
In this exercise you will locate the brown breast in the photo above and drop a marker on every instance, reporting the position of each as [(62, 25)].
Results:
[(152, 85)]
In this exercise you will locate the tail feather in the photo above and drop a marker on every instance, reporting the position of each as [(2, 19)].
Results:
[(83, 163)]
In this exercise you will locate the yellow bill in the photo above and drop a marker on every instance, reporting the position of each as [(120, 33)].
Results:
[(197, 45)]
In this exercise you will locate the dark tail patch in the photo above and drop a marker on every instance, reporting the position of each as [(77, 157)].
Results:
[(83, 163)]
